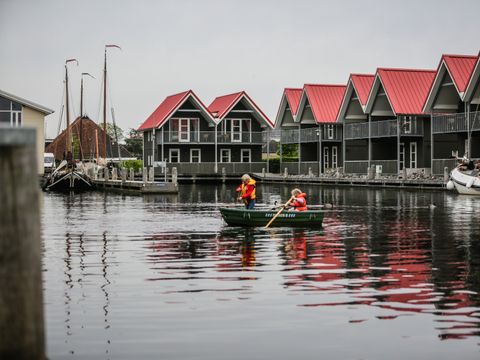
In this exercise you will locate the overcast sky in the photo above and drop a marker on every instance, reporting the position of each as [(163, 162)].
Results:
[(218, 47)]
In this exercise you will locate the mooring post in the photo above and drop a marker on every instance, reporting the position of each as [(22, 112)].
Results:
[(151, 174), (105, 174), (446, 175), (224, 175), (21, 310), (144, 175), (285, 172), (124, 176), (174, 176), (114, 174), (132, 174)]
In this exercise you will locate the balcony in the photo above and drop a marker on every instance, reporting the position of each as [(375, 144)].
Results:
[(384, 128), (208, 137), (455, 123), (310, 135), (208, 168)]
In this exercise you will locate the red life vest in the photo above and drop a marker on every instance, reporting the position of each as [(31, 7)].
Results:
[(300, 202), (247, 192)]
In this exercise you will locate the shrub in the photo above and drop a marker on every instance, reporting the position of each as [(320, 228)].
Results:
[(136, 165)]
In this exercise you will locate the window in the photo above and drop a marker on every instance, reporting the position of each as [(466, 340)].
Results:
[(184, 130), (334, 157), (326, 163), (413, 155), (174, 155), (246, 156), (233, 128), (407, 125), (330, 132), (225, 155), (402, 156), (16, 118), (195, 155)]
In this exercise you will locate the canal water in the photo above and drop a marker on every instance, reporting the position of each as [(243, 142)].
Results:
[(163, 277)]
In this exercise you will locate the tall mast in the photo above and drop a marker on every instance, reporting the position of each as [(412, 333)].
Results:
[(67, 107), (105, 100), (105, 105), (81, 96), (68, 139), (82, 113)]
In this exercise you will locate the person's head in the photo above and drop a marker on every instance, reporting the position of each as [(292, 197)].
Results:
[(296, 192), (246, 178)]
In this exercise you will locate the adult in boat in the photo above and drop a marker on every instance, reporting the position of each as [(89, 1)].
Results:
[(247, 190), (466, 164), (299, 201)]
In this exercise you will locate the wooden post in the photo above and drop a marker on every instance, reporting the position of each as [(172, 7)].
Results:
[(174, 176), (132, 174), (21, 310)]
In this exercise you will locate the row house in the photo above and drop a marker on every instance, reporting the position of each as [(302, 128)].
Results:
[(19, 112), (226, 136), (390, 130), (453, 102), (307, 117)]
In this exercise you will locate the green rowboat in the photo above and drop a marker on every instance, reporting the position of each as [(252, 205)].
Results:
[(251, 218)]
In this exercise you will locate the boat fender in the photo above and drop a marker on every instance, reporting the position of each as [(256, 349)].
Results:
[(450, 185), (470, 183)]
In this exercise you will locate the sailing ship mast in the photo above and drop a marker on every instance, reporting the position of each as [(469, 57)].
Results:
[(105, 100), (67, 108), (81, 113)]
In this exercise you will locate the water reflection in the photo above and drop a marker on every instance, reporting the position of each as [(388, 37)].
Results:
[(130, 264)]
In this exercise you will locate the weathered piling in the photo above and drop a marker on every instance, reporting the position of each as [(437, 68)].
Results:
[(21, 302)]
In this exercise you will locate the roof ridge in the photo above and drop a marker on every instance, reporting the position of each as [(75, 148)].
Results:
[(406, 70), (461, 56), (235, 93), (357, 74), (325, 85)]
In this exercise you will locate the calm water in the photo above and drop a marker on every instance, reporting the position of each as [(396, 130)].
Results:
[(131, 277)]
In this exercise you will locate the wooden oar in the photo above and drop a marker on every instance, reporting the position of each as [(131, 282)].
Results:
[(278, 213)]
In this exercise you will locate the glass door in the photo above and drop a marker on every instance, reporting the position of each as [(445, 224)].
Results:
[(236, 130), (413, 155), (184, 130), (326, 163), (334, 157), (402, 156)]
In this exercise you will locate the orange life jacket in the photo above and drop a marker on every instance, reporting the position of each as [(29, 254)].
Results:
[(248, 191), (300, 202)]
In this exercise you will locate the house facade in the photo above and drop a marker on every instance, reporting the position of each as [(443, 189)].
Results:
[(312, 126), (399, 130), (357, 145), (226, 137), (18, 112), (454, 111)]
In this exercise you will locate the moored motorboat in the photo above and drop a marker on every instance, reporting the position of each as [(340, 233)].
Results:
[(466, 182), (251, 218)]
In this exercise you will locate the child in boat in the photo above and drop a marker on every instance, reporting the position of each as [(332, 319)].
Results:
[(299, 202), (247, 191)]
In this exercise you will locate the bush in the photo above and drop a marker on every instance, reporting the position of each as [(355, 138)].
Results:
[(136, 165)]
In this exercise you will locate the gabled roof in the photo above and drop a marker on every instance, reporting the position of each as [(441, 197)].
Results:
[(222, 105), (459, 68), (26, 103), (406, 89), (324, 101), (290, 99), (293, 96), (168, 107), (473, 82), (360, 85)]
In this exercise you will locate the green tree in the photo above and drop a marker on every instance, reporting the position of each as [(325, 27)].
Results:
[(134, 143), (111, 129), (289, 151)]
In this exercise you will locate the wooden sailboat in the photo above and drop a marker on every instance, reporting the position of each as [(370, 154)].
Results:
[(68, 176)]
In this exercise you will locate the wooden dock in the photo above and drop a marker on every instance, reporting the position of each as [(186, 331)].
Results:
[(438, 184), (136, 186)]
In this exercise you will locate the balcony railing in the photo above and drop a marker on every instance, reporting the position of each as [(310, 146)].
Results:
[(208, 168), (388, 166), (455, 123), (294, 136), (356, 167), (384, 128), (206, 137)]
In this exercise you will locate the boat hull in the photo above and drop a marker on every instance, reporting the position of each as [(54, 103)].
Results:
[(465, 183), (67, 182), (254, 218)]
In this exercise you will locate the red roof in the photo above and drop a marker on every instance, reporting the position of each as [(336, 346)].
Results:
[(362, 84), (293, 97), (222, 105), (166, 109), (460, 68), (324, 100), (406, 89)]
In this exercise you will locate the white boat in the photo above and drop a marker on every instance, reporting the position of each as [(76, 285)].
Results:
[(465, 182)]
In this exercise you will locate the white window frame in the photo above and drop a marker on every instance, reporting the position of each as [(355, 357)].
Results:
[(330, 134), (414, 151), (170, 152), (229, 152), (199, 155), (401, 159), (249, 152), (334, 157), (16, 118), (407, 125), (181, 123), (326, 156)]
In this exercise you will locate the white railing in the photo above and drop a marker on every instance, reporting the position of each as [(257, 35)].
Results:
[(209, 137)]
